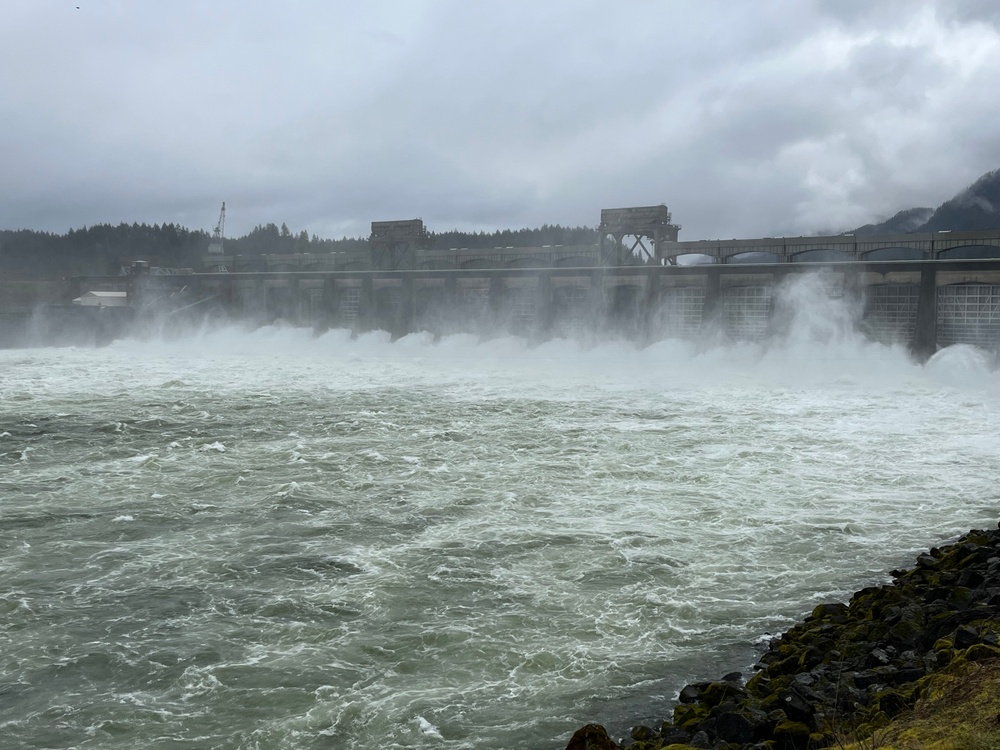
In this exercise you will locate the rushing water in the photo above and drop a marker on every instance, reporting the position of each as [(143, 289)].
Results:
[(267, 539)]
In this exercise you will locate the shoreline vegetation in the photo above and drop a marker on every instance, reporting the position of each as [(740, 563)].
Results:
[(910, 665)]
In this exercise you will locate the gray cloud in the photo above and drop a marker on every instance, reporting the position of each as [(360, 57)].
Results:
[(777, 117)]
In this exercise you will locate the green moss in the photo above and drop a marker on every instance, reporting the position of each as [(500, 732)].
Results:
[(757, 684), (793, 733), (961, 597), (944, 644), (957, 710), (688, 715), (717, 692), (980, 652)]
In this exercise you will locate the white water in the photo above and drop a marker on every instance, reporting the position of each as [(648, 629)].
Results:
[(271, 540)]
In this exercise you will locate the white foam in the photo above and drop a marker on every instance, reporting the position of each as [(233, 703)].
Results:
[(429, 729)]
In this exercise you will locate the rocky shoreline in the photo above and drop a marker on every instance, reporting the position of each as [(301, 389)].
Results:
[(847, 670)]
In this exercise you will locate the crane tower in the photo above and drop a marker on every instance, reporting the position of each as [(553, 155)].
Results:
[(215, 246)]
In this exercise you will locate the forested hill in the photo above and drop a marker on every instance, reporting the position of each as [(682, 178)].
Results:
[(104, 248), (99, 249)]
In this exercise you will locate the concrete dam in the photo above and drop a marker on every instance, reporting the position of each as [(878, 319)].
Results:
[(924, 291)]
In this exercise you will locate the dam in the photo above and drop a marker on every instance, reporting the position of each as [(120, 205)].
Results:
[(924, 291)]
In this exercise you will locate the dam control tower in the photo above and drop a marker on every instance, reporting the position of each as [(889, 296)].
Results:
[(625, 233), (394, 244)]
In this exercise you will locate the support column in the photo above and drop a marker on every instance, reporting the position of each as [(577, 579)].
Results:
[(232, 300), (330, 305), (405, 314), (650, 301), (711, 311), (854, 290), (296, 305), (367, 313), (260, 294), (854, 296), (779, 316), (544, 308), (496, 295), (450, 301), (925, 334), (598, 300)]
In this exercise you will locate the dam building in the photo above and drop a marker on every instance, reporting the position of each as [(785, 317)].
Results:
[(923, 291)]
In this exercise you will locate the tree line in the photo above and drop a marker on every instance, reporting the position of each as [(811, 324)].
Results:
[(104, 248)]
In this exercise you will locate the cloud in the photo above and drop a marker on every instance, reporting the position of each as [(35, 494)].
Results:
[(747, 119)]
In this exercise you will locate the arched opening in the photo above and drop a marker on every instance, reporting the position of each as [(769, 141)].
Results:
[(248, 264), (479, 263), (352, 266), (528, 262), (823, 255), (694, 259), (436, 264), (971, 252), (755, 256), (895, 253)]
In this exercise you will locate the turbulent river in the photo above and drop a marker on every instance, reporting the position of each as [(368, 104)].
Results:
[(271, 539)]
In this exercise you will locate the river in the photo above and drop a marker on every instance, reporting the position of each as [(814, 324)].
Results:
[(270, 539)]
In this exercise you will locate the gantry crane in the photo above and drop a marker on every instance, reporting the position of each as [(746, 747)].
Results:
[(215, 246)]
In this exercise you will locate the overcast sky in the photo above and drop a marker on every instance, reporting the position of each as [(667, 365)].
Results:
[(745, 118)]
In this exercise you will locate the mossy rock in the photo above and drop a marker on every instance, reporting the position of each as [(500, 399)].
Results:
[(715, 693), (687, 716), (642, 733), (792, 733), (809, 658), (759, 684), (832, 611), (944, 644), (961, 597), (788, 665), (980, 652)]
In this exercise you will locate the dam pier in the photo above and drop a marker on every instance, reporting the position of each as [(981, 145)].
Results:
[(924, 291)]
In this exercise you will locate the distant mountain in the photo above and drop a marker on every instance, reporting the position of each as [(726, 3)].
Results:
[(976, 207), (909, 220)]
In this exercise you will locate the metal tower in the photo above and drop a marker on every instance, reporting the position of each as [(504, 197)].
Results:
[(215, 246)]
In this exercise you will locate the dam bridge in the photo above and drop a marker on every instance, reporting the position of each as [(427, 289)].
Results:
[(924, 291)]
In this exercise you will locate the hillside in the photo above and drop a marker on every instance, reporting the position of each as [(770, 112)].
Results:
[(976, 207)]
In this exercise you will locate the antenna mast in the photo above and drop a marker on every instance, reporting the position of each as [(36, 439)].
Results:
[(215, 246)]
